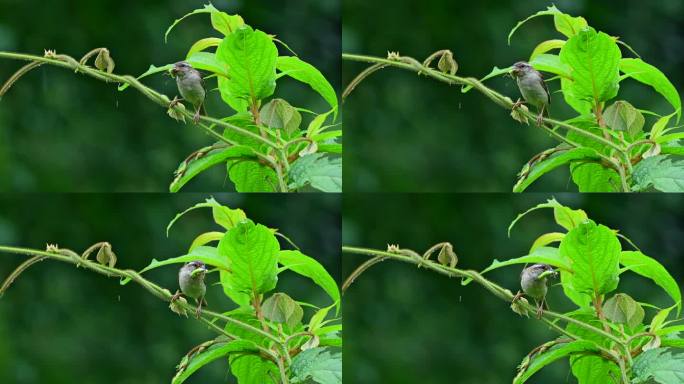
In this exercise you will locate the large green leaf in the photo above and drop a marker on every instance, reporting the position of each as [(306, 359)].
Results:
[(223, 216), (221, 21), (594, 254), (253, 369), (659, 365), (594, 58), (212, 353), (317, 170), (251, 176), (594, 177), (252, 254), (319, 365), (553, 162), (587, 368), (251, 59), (648, 267), (306, 73), (564, 23), (552, 64), (309, 267), (187, 170), (566, 217), (659, 172), (555, 353), (646, 73)]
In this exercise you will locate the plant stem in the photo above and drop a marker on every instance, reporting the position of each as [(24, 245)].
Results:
[(497, 290)]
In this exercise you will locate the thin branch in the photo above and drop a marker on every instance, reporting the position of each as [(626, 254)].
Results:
[(413, 65), (497, 290)]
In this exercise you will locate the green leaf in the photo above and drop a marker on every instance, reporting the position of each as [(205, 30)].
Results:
[(590, 369), (565, 24), (150, 71), (648, 267), (251, 176), (208, 8), (212, 353), (594, 177), (594, 58), (551, 355), (551, 163), (252, 369), (252, 254), (659, 128), (542, 255), (567, 218), (202, 44), (280, 308), (645, 73), (659, 172), (225, 23), (496, 71), (623, 309), (546, 46), (207, 255), (594, 254), (306, 266), (205, 239), (622, 116), (660, 365), (319, 365), (546, 239), (317, 170), (279, 114), (187, 170), (316, 125), (207, 61), (551, 64), (251, 57), (306, 73), (317, 319), (223, 216)]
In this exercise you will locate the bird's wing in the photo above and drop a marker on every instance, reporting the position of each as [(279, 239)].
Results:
[(548, 94)]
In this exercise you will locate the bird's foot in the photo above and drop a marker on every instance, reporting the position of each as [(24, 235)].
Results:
[(517, 297), (198, 312), (196, 117), (540, 310), (174, 102), (517, 104), (540, 119), (176, 296)]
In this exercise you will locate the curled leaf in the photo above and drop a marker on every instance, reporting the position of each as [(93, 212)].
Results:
[(447, 64), (104, 61), (106, 256), (447, 256)]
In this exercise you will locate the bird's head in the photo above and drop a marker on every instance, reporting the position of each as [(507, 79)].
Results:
[(196, 269), (539, 271), (520, 68), (181, 68)]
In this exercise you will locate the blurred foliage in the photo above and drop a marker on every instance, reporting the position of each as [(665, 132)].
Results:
[(407, 325), (59, 324), (408, 133), (62, 132)]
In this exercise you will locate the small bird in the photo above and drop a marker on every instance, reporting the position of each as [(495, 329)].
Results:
[(533, 283), (532, 87), (190, 86), (191, 281)]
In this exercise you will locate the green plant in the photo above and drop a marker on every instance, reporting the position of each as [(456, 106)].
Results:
[(265, 338), (604, 144), (606, 336), (265, 145)]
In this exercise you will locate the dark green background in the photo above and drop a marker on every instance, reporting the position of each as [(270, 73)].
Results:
[(405, 325), (62, 325), (63, 132), (414, 134)]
